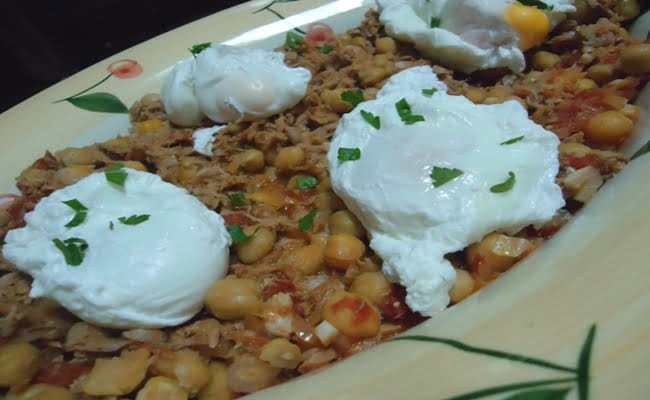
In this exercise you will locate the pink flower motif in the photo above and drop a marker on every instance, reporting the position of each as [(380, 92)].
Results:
[(318, 33), (125, 69)]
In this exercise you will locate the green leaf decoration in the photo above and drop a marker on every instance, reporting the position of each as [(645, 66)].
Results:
[(99, 102), (306, 221), (506, 185), (541, 394), (584, 359), (488, 352), (479, 394), (642, 150), (198, 48)]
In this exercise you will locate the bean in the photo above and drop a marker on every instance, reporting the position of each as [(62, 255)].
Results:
[(345, 222), (373, 286), (342, 250), (42, 391), (281, 353), (608, 128), (217, 388), (289, 158), (628, 9), (117, 376), (162, 388), (544, 60), (306, 259), (601, 73), (332, 99), (249, 374), (351, 314), (250, 160), (385, 45), (230, 299), (72, 174), (463, 286), (260, 244), (584, 84), (18, 363), (186, 367), (635, 59)]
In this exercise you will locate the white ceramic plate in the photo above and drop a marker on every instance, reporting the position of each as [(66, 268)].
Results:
[(593, 273)]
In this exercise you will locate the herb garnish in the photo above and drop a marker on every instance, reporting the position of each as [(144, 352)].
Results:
[(80, 212), (371, 118), (134, 219), (506, 185), (536, 3), (73, 249), (115, 174), (237, 234), (643, 150), (353, 97), (293, 40), (325, 49), (305, 222), (404, 110), (197, 48), (429, 92), (349, 154), (435, 22), (306, 182), (513, 140), (442, 175), (237, 199)]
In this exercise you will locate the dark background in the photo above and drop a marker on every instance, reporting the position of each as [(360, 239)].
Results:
[(45, 41)]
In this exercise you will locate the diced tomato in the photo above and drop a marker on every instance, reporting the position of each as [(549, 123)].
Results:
[(396, 309), (238, 219), (278, 284), (62, 373), (317, 34)]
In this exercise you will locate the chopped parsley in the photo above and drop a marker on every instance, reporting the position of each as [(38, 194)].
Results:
[(115, 174), (349, 154), (134, 219), (305, 222), (371, 118), (353, 97), (80, 212), (404, 110), (237, 199), (506, 185), (512, 141), (73, 250), (435, 22), (306, 182), (442, 175), (536, 3), (293, 40), (197, 48), (325, 49), (429, 92), (237, 234), (643, 150)]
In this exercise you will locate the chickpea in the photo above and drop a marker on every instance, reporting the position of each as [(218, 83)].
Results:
[(149, 126), (385, 45), (373, 286), (332, 99), (306, 259), (601, 73), (162, 388), (42, 391), (345, 222), (373, 75), (217, 388), (250, 160), (289, 158), (342, 250), (584, 84), (351, 314), (80, 156), (475, 95), (117, 376), (495, 253), (186, 367), (281, 353), (608, 128), (463, 286), (328, 201), (260, 242), (544, 60), (18, 363), (188, 170), (635, 59), (73, 173), (249, 374), (628, 9), (230, 299)]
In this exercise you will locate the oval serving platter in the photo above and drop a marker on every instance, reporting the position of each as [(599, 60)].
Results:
[(573, 318)]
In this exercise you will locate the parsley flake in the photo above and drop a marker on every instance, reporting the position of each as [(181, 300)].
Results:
[(306, 222), (325, 49), (80, 213), (115, 174), (353, 97), (429, 92), (237, 199), (134, 219), (197, 48), (442, 175), (435, 22), (237, 234), (293, 40), (404, 110), (371, 118), (306, 182), (73, 250), (643, 150), (506, 185), (349, 154), (536, 3), (512, 141)]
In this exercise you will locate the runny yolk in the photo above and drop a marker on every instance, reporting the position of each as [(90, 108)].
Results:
[(530, 23)]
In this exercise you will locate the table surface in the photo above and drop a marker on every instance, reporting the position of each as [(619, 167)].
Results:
[(46, 41)]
